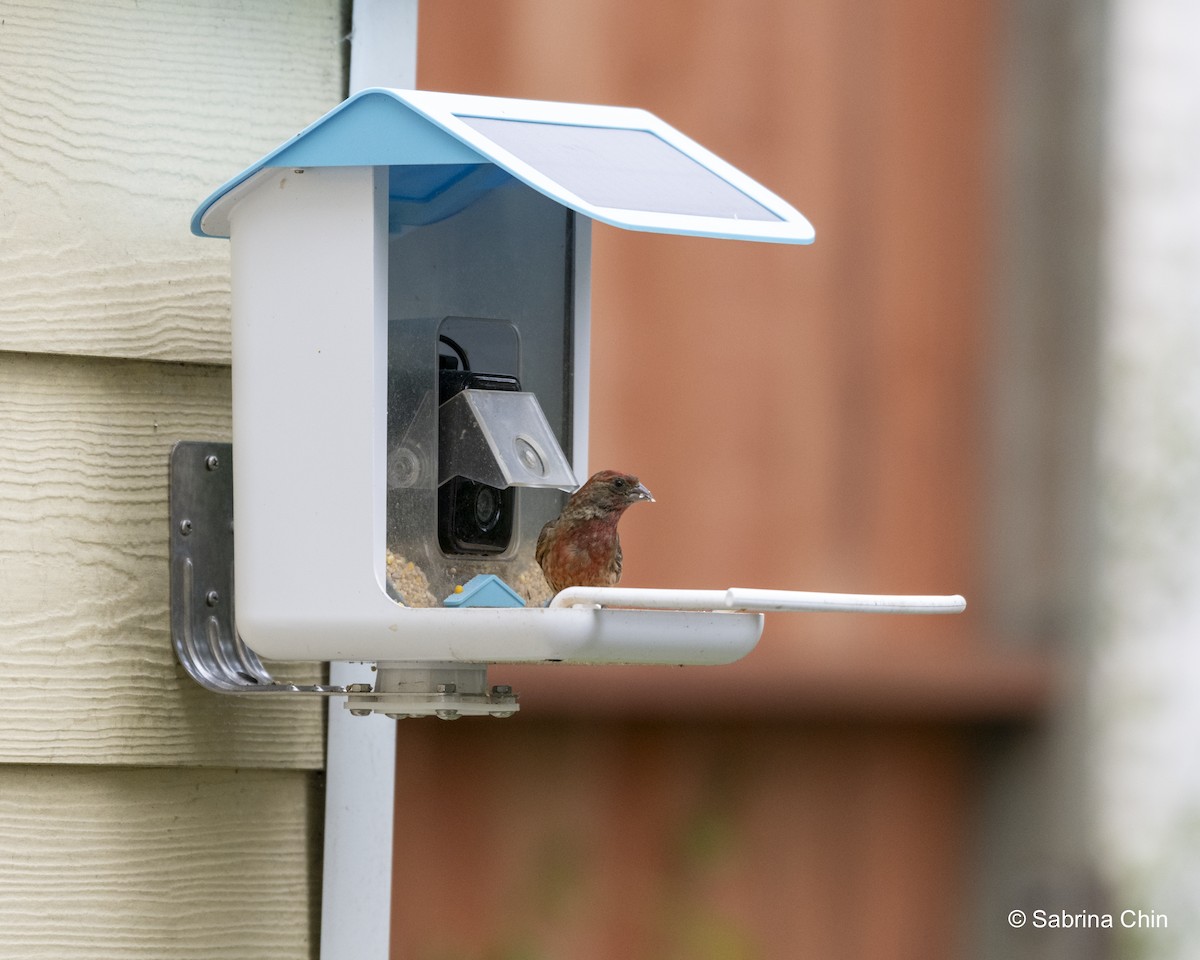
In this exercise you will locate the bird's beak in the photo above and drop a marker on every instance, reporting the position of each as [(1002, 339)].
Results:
[(641, 493)]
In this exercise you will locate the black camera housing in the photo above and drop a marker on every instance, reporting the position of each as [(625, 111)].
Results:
[(474, 519)]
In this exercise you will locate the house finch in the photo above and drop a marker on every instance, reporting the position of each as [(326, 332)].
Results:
[(581, 548)]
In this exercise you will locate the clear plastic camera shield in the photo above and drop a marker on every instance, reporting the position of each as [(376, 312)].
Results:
[(500, 438)]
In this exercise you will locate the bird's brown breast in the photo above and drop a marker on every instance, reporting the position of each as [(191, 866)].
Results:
[(580, 554)]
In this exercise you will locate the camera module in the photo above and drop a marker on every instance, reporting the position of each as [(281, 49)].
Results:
[(474, 519)]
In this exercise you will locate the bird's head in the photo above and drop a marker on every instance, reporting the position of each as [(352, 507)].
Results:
[(609, 492)]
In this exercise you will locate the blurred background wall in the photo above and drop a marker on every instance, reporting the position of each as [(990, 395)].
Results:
[(912, 404), (1146, 675)]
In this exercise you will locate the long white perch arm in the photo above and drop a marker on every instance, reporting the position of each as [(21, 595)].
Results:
[(756, 601)]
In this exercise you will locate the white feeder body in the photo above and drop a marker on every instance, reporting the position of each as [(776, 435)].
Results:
[(398, 249)]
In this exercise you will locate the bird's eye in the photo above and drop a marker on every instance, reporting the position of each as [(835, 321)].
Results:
[(619, 483)]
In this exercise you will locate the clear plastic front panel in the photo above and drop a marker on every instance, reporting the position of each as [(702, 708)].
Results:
[(479, 394)]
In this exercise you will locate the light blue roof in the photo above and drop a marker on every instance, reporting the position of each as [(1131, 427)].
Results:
[(618, 165)]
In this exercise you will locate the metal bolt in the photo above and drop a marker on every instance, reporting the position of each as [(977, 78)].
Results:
[(211, 462), (185, 527), (212, 598), (361, 713), (359, 688), (446, 714), (446, 687)]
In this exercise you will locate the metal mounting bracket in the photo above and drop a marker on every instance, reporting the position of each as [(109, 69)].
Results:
[(205, 637), (202, 625)]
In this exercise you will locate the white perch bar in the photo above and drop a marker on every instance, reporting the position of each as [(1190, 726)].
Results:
[(744, 599)]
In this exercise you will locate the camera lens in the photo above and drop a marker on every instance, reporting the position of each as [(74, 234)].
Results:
[(487, 508), (475, 518)]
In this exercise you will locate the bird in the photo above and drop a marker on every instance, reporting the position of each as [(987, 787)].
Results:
[(580, 548)]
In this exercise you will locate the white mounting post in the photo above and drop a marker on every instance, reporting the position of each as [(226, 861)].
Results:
[(360, 765)]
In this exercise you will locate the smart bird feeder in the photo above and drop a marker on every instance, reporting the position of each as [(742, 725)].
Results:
[(411, 315)]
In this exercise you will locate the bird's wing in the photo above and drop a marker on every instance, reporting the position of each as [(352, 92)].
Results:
[(543, 544)]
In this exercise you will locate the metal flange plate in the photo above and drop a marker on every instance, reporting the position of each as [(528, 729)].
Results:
[(201, 536)]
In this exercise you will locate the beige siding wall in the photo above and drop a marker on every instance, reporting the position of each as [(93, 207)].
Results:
[(139, 815)]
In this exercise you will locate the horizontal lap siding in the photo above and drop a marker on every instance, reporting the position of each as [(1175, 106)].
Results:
[(140, 816), (86, 641), (116, 121), (112, 862)]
